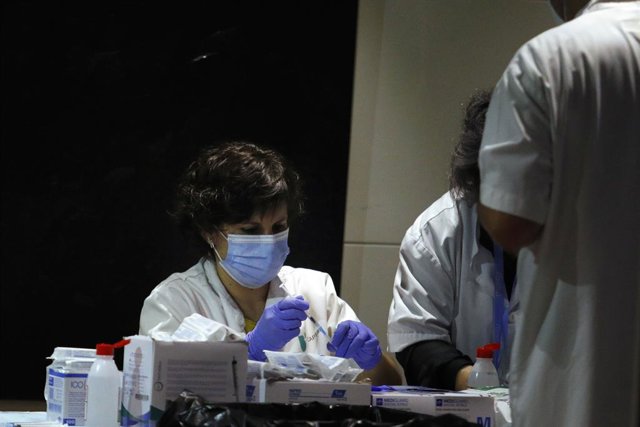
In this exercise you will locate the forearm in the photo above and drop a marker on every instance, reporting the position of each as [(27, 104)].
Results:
[(385, 372), (434, 364), (462, 377)]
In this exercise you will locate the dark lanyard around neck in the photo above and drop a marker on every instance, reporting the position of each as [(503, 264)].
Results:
[(500, 304)]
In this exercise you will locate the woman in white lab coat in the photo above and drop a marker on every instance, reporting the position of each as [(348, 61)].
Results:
[(238, 199), (447, 298)]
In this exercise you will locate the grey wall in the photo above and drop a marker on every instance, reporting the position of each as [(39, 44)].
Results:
[(417, 62)]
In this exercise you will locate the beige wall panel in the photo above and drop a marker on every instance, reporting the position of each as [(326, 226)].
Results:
[(417, 61), (373, 269)]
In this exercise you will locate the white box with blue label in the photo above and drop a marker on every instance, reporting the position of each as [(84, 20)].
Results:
[(156, 372), (474, 407), (65, 388), (301, 391)]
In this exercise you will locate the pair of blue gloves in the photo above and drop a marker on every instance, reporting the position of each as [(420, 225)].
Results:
[(281, 322)]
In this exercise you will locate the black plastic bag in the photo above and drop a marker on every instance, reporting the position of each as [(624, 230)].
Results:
[(190, 410)]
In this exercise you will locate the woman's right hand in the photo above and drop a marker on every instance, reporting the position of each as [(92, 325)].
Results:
[(278, 325)]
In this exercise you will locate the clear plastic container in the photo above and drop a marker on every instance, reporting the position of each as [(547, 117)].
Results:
[(484, 373), (104, 385)]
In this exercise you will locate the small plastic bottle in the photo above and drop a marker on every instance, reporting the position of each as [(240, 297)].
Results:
[(104, 382), (484, 373)]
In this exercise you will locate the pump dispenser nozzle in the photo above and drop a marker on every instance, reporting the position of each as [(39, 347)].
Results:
[(103, 349)]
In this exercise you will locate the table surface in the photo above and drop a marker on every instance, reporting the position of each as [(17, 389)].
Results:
[(12, 411)]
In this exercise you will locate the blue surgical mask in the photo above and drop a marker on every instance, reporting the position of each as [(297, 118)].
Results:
[(254, 260)]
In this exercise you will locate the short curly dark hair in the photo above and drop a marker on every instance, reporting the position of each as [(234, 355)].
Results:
[(464, 175), (230, 182)]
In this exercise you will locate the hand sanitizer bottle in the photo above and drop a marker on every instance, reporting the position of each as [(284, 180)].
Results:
[(484, 373), (104, 383)]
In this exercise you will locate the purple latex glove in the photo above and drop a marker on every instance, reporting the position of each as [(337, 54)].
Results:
[(354, 340), (278, 325)]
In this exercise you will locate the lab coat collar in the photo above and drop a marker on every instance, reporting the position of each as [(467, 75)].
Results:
[(462, 204), (229, 306)]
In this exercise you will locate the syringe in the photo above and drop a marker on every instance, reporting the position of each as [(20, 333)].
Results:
[(320, 328)]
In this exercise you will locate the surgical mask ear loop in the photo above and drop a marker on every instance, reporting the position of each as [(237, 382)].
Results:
[(222, 234), (215, 250), (219, 262), (210, 242)]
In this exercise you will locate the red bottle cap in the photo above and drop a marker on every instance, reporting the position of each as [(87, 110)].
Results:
[(104, 350), (486, 351)]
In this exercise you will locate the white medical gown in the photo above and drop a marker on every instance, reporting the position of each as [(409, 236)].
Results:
[(561, 146), (443, 288), (199, 290)]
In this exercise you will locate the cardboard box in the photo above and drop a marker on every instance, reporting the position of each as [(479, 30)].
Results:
[(501, 403), (300, 391), (156, 372), (473, 407), (66, 397)]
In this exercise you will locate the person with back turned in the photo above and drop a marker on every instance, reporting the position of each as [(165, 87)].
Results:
[(560, 186)]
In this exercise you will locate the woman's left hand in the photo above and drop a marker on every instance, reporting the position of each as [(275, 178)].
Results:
[(355, 340)]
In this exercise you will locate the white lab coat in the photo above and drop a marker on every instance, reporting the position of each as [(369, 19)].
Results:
[(562, 147), (199, 290), (443, 288)]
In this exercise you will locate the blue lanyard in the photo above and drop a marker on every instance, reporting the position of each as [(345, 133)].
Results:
[(500, 304)]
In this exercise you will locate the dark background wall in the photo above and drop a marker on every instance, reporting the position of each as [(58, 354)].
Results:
[(104, 104)]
